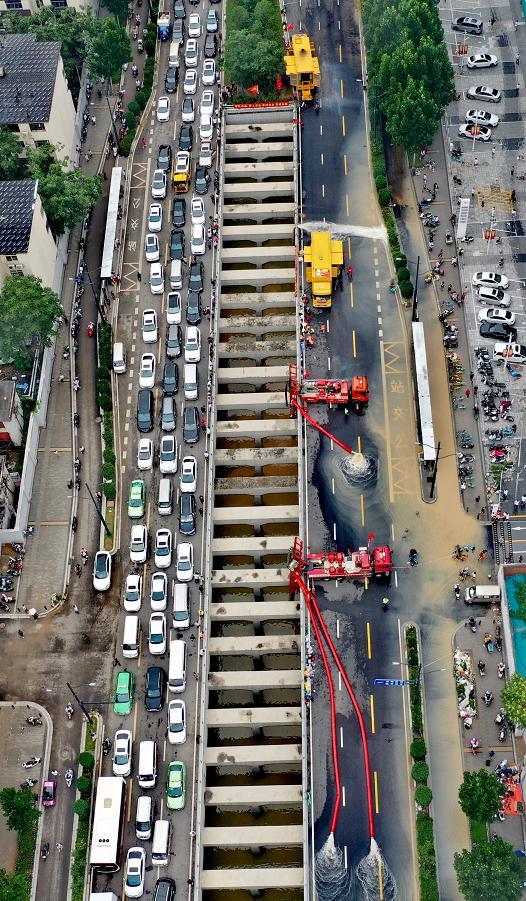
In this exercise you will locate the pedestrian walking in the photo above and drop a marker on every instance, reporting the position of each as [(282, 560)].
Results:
[(477, 499), (116, 661), (517, 89), (514, 214), (139, 276), (517, 60), (93, 120), (512, 171), (475, 161), (471, 376), (474, 574), (468, 392), (196, 676), (82, 448), (515, 506), (473, 192), (504, 494), (493, 152), (78, 569), (76, 609)]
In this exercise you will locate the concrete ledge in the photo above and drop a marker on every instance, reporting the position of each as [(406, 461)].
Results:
[(258, 255), (261, 149), (259, 170), (261, 400), (257, 515), (256, 456), (253, 610), (255, 680), (259, 132), (256, 350), (257, 429), (257, 233), (254, 717), (256, 878), (273, 544), (259, 278), (257, 486), (254, 795), (249, 578), (269, 189), (252, 836), (258, 211), (256, 375), (258, 324), (257, 300), (254, 755), (254, 645)]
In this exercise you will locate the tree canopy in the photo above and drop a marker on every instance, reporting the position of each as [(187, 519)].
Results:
[(514, 699), (109, 50), (13, 886), (480, 795), (27, 309), (11, 165), (118, 8), (254, 43), (19, 806), (66, 194), (490, 872)]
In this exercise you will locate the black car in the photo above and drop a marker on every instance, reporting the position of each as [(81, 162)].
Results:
[(176, 244), (191, 425), (171, 80), (193, 308), (179, 212), (164, 158), (195, 280), (178, 31), (170, 378), (186, 137), (174, 341), (164, 889), (145, 410), (155, 688), (210, 46), (202, 180), (498, 331), (186, 513), (179, 9)]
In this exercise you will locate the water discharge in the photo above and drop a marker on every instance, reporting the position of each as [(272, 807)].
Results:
[(332, 879), (375, 877), (337, 230), (359, 469)]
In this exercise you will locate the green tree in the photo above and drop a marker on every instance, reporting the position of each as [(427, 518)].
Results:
[(81, 808), (119, 8), (490, 872), (84, 786), (27, 309), (87, 761), (66, 194), (413, 118), (11, 166), (480, 795), (13, 886), (19, 807), (109, 50), (514, 700)]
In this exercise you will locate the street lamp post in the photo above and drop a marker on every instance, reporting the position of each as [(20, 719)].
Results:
[(102, 313), (78, 700), (99, 510)]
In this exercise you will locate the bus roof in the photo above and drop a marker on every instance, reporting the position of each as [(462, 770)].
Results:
[(105, 834)]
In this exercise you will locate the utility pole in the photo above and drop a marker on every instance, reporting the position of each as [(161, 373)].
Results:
[(98, 509), (434, 476), (80, 703)]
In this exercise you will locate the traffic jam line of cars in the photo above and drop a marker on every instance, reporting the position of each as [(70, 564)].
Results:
[(178, 471)]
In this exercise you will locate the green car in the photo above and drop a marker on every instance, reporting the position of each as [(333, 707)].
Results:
[(136, 499), (124, 692), (176, 785)]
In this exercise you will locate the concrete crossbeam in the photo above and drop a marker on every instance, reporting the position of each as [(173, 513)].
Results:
[(255, 680), (255, 717), (242, 348), (253, 645), (258, 211), (255, 189), (256, 428), (252, 836), (253, 610), (256, 456), (243, 796), (258, 486), (257, 300), (261, 149), (252, 375), (258, 255), (256, 515), (255, 545), (253, 878), (258, 233), (265, 400), (258, 325), (253, 755), (258, 277), (259, 170), (242, 578), (260, 132)]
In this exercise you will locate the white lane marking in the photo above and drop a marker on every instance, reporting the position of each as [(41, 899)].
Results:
[(125, 440), (392, 531), (343, 795), (321, 129), (328, 326), (396, 578), (339, 681), (379, 308), (345, 856), (334, 531), (333, 486), (124, 455), (341, 736), (337, 628), (323, 190), (380, 333), (332, 444), (321, 157), (328, 363)]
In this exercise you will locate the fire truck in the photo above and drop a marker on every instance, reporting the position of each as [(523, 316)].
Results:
[(349, 392), (366, 563), (324, 259)]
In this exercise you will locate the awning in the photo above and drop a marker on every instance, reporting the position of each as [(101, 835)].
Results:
[(111, 223)]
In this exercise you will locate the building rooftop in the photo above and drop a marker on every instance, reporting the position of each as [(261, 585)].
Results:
[(28, 70), (17, 202), (7, 394)]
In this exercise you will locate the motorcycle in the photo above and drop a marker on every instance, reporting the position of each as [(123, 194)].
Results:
[(488, 643), (44, 851), (385, 603), (413, 557), (106, 746), (69, 711), (28, 783), (140, 45), (456, 589), (68, 776), (76, 420), (501, 669), (481, 667), (33, 720), (501, 716), (74, 524), (33, 761), (487, 697), (91, 329), (472, 623), (503, 734)]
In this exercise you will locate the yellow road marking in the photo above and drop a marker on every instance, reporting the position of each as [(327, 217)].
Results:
[(345, 163), (341, 87), (354, 343), (373, 724), (369, 648), (376, 795), (343, 126)]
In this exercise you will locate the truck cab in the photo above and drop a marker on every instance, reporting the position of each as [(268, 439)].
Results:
[(181, 177)]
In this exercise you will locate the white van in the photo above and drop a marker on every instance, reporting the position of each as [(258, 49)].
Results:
[(119, 358), (162, 837), (147, 772), (165, 499), (176, 275), (482, 594), (177, 671), (191, 381), (181, 605), (173, 56), (512, 353), (144, 817), (131, 637)]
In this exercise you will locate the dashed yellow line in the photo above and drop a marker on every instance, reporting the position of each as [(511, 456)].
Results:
[(373, 724)]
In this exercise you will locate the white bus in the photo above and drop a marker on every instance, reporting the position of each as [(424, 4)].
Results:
[(108, 824)]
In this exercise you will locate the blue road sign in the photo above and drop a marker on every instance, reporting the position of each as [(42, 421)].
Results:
[(396, 682)]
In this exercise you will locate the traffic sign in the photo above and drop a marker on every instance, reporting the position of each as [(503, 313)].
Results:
[(397, 682)]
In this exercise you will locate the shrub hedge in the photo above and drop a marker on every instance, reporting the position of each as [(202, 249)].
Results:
[(106, 404)]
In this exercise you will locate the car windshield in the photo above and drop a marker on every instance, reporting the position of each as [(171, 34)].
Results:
[(184, 565), (47, 794), (121, 758), (134, 879), (158, 591), (122, 697), (101, 566)]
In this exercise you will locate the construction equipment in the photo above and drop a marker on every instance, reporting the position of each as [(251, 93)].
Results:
[(365, 563), (354, 392), (182, 175), (324, 259), (302, 66)]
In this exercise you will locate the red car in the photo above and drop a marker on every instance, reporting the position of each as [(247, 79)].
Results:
[(49, 793)]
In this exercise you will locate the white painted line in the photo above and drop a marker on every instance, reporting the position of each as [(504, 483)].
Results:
[(332, 444), (126, 426), (345, 856), (378, 309), (343, 795), (339, 681), (337, 628), (321, 157), (328, 326), (328, 363), (379, 320), (396, 578), (128, 411), (334, 531), (380, 333), (124, 455), (341, 736), (378, 296), (392, 531), (321, 132), (125, 440), (323, 190), (333, 486)]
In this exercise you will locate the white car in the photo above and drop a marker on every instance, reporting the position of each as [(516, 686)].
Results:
[(174, 311), (482, 117), (475, 132), (192, 344), (155, 217), (207, 104), (159, 185), (197, 209), (190, 82), (157, 634), (208, 76), (483, 92), (188, 477), (151, 248), (145, 454), (133, 593), (205, 154), (206, 128), (122, 753), (191, 54), (168, 455), (495, 314), (194, 26), (138, 544), (102, 571), (149, 326), (480, 61), (147, 371), (156, 278), (163, 109), (187, 110), (134, 873), (495, 296), (177, 722), (198, 242), (185, 562), (490, 280), (163, 548), (158, 591)]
